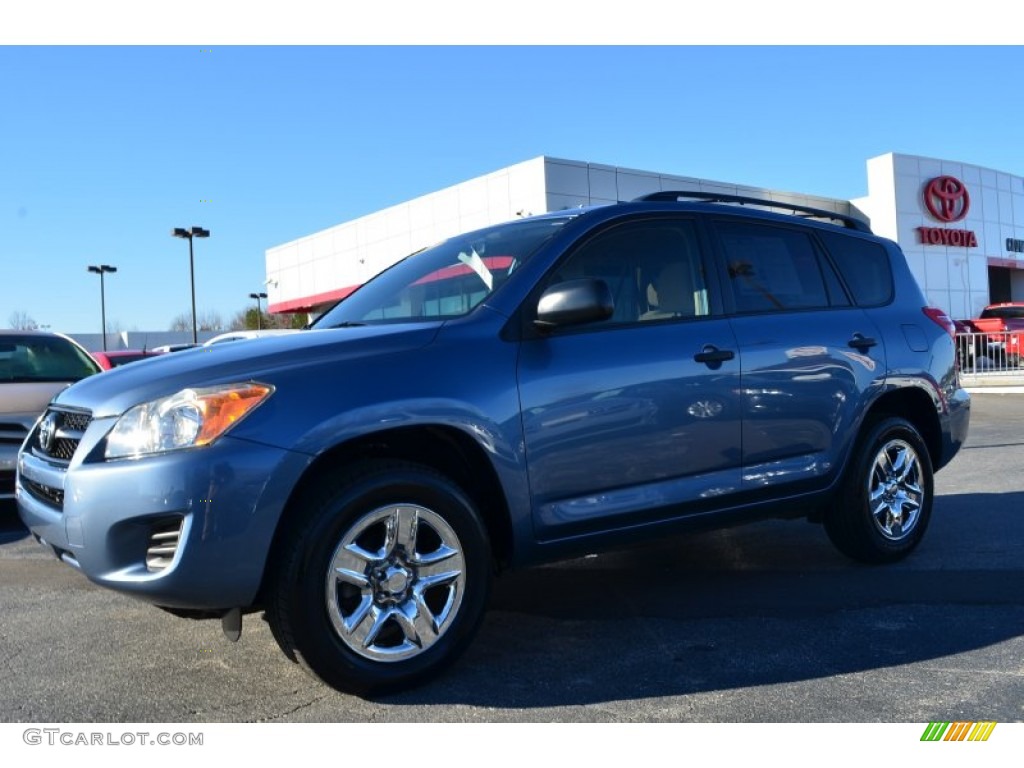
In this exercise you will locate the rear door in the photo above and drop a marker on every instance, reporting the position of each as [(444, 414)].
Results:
[(810, 358)]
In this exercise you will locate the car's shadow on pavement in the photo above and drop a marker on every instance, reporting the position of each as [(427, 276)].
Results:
[(761, 605)]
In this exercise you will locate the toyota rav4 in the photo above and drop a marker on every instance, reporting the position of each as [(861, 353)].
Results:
[(531, 391)]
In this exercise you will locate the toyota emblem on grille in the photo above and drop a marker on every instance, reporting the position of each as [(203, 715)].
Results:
[(48, 431)]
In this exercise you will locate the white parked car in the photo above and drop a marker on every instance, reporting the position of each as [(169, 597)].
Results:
[(240, 335), (34, 366)]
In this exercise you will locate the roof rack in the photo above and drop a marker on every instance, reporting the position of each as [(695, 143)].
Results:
[(716, 197)]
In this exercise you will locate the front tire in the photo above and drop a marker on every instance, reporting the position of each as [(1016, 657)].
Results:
[(383, 579), (886, 499)]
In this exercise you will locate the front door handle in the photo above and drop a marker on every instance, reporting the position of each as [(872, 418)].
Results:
[(711, 354)]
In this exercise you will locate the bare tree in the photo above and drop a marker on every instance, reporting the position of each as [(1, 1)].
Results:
[(182, 322), (210, 321), (206, 321), (20, 320)]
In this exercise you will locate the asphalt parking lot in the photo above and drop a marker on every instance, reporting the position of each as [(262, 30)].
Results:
[(762, 623)]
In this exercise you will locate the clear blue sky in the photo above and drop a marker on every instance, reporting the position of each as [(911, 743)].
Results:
[(104, 149)]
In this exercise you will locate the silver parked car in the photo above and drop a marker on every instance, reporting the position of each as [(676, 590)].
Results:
[(34, 366)]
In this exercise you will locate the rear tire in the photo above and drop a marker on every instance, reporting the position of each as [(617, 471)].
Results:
[(383, 579), (886, 501)]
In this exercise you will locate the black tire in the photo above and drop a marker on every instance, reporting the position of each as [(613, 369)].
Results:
[(891, 464), (383, 578)]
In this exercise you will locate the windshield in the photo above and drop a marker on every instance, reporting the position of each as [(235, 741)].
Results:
[(43, 358), (445, 281)]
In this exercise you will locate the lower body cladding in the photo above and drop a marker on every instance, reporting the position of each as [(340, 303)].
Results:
[(189, 529)]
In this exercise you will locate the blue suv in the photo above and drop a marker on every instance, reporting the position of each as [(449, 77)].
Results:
[(524, 393)]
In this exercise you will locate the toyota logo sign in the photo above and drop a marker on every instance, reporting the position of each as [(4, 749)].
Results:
[(946, 198)]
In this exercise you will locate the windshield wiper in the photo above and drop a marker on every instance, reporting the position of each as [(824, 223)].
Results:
[(345, 324)]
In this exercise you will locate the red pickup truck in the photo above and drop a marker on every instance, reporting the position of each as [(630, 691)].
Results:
[(998, 334)]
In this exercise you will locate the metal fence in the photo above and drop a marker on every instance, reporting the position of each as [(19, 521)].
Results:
[(996, 354)]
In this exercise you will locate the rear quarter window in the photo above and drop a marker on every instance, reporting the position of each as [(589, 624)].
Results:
[(864, 266)]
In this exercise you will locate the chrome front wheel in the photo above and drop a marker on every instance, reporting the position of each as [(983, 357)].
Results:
[(382, 577)]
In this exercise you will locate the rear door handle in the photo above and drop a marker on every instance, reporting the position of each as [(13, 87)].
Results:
[(861, 342), (712, 354)]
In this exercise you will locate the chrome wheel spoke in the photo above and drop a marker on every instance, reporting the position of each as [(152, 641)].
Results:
[(366, 631), (437, 575), (877, 498), (355, 578), (429, 559), (401, 531), (354, 557), (884, 463), (418, 623), (358, 617), (906, 463)]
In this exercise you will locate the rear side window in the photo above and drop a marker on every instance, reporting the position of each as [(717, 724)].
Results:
[(864, 266), (773, 269)]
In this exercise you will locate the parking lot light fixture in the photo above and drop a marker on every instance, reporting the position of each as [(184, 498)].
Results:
[(102, 269), (259, 309), (189, 234)]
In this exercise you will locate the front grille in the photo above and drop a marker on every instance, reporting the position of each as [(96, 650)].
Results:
[(67, 428), (12, 433), (163, 543), (76, 420), (6, 482), (52, 496)]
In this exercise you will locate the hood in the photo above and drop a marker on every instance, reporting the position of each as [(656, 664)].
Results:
[(28, 399), (113, 392)]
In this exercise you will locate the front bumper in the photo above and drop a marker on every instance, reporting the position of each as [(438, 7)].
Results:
[(190, 529)]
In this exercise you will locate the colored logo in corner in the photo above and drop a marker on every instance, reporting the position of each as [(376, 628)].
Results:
[(958, 731)]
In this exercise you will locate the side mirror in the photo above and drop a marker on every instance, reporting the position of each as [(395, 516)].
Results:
[(574, 302)]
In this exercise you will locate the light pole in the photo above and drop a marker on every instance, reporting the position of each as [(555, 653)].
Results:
[(259, 310), (101, 270), (189, 234)]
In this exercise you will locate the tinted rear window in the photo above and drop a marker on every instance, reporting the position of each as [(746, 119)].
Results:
[(864, 266)]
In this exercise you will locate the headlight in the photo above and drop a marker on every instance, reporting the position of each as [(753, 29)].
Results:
[(187, 419)]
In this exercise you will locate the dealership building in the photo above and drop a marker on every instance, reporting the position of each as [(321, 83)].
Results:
[(961, 226)]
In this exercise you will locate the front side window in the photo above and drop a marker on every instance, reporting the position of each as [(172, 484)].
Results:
[(446, 281), (652, 268)]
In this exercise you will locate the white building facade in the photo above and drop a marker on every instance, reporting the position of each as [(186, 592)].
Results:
[(960, 225)]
